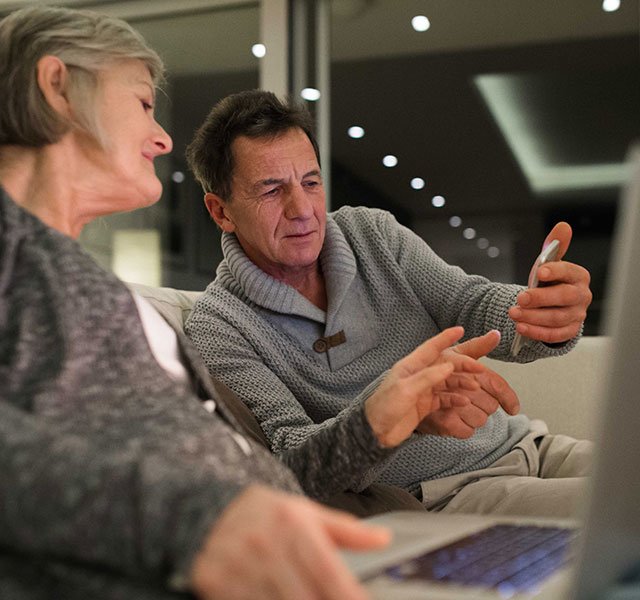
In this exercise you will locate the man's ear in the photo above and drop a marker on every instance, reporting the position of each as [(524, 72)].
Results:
[(52, 79), (218, 211)]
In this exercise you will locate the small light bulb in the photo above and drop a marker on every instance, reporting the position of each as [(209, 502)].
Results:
[(355, 132), (311, 94), (390, 160), (610, 5), (420, 23), (417, 183), (259, 50)]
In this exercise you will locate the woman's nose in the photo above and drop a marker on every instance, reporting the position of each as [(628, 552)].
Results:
[(162, 140)]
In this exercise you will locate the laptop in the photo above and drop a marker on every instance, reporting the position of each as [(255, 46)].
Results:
[(441, 557)]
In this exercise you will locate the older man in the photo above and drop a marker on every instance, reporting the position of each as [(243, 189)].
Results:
[(309, 311)]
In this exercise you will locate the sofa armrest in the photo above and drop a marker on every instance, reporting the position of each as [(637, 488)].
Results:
[(565, 392), (173, 305)]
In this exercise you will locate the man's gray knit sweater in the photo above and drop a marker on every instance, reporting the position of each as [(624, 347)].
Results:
[(388, 292)]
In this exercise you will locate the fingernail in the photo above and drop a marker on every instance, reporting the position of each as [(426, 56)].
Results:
[(515, 313), (524, 298), (544, 272)]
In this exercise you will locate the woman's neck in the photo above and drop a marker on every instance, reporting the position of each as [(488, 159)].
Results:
[(32, 178)]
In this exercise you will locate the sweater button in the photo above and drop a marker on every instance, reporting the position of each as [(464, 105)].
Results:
[(320, 345)]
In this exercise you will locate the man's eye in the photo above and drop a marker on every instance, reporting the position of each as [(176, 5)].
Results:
[(271, 192)]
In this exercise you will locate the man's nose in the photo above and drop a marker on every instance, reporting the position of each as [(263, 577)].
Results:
[(299, 205)]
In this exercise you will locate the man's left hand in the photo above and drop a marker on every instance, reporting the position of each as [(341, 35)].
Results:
[(492, 393), (554, 313)]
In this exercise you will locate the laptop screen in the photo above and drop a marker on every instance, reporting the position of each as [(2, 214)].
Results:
[(611, 541)]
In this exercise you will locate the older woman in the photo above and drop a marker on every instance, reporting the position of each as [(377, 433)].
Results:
[(114, 479)]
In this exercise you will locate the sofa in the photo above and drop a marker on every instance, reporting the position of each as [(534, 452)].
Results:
[(564, 392)]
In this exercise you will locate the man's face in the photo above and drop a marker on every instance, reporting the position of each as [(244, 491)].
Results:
[(277, 208)]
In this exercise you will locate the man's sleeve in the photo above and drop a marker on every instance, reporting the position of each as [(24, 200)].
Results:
[(452, 297)]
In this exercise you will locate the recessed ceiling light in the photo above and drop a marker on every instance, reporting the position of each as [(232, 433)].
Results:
[(438, 201), (455, 221), (311, 94), (469, 233), (610, 5), (420, 23), (493, 252), (483, 243), (355, 132), (417, 183), (390, 160), (258, 50)]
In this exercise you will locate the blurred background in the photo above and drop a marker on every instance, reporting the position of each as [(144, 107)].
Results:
[(478, 123)]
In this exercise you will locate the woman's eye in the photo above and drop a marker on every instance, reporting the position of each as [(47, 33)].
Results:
[(146, 105)]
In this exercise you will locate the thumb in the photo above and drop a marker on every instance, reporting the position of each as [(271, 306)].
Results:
[(479, 346), (561, 232)]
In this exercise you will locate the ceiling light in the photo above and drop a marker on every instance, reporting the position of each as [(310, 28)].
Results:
[(483, 243), (455, 221), (390, 160), (420, 23), (469, 233), (355, 132), (610, 5), (177, 176), (493, 252), (438, 201), (312, 94), (417, 183), (258, 50)]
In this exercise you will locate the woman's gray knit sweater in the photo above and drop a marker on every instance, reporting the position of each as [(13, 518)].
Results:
[(388, 292)]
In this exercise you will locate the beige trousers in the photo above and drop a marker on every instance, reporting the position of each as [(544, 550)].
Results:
[(543, 475)]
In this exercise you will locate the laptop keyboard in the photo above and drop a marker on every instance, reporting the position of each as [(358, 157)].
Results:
[(509, 558)]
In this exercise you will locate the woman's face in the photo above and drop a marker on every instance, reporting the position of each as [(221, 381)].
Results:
[(123, 172)]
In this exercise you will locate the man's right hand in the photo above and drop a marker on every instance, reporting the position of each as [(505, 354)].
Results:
[(275, 546)]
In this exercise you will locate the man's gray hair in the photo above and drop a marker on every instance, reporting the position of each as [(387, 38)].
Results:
[(85, 42)]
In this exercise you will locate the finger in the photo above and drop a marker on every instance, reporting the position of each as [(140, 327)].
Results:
[(498, 388), (446, 400), (549, 335), (472, 416), (484, 401), (323, 563), (566, 272), (427, 353), (561, 232), (479, 346), (457, 381), (446, 423), (348, 532), (548, 317), (561, 294)]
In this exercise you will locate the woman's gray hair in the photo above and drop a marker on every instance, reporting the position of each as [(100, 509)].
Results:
[(85, 42)]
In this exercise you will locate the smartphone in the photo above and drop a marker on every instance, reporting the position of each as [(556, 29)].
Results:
[(548, 254)]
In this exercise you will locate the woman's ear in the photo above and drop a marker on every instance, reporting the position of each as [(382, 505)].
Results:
[(52, 80), (218, 210)]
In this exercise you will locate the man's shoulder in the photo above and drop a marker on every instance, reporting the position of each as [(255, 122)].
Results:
[(362, 221)]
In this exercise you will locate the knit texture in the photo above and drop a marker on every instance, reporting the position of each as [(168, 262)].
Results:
[(388, 292), (111, 473)]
